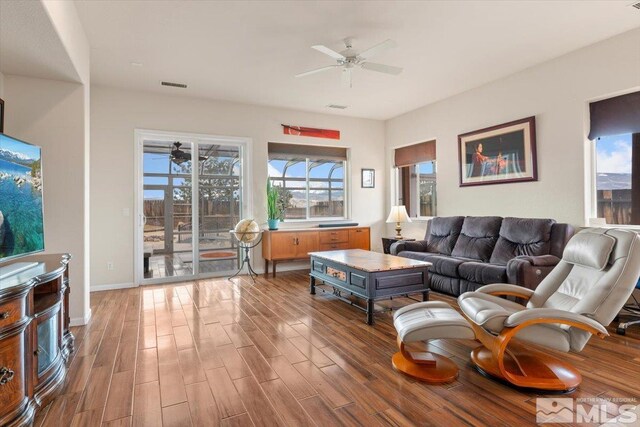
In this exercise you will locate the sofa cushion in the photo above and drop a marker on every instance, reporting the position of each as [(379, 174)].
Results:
[(484, 273), (441, 264), (478, 237), (522, 236), (444, 284), (442, 234)]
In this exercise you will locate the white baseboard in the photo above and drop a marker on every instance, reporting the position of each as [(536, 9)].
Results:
[(80, 321), (111, 287)]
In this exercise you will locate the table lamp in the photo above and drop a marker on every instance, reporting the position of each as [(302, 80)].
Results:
[(398, 214)]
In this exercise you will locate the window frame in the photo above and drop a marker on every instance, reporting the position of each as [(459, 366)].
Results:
[(346, 194), (398, 190)]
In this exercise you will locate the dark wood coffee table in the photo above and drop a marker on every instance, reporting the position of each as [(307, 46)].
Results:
[(369, 275)]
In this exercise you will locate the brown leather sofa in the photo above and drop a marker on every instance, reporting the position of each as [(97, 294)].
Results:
[(470, 252)]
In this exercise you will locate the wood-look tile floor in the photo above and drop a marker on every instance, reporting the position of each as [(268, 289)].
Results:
[(215, 352)]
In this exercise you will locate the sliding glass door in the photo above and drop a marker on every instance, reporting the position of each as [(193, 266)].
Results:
[(191, 194), (219, 206)]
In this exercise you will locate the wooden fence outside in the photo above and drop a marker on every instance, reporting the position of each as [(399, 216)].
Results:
[(615, 206)]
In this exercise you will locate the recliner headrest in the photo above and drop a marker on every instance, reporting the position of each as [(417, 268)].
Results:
[(589, 249)]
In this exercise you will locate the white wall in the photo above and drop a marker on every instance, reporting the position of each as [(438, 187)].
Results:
[(1, 85), (65, 20), (51, 114), (557, 93), (116, 113)]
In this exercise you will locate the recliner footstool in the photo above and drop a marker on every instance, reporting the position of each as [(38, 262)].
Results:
[(423, 322)]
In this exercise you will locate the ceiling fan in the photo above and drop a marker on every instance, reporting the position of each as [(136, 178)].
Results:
[(348, 59), (178, 156)]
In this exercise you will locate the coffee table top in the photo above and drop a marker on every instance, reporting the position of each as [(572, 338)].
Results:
[(369, 261)]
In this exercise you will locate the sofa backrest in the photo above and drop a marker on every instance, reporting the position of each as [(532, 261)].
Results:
[(522, 236), (442, 233), (560, 236), (478, 237)]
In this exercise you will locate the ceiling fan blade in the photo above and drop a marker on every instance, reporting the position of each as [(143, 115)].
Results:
[(375, 50), (317, 70), (381, 68), (327, 51), (346, 78)]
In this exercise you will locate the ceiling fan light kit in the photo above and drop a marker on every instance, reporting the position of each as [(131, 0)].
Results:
[(347, 60)]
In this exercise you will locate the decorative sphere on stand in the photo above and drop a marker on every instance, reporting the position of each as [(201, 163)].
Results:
[(249, 235), (246, 231)]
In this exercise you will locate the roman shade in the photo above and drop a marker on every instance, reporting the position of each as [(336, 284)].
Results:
[(614, 116), (314, 152), (413, 154)]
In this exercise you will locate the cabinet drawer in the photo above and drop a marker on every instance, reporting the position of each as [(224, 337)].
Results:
[(358, 280), (334, 246), (400, 280), (12, 311), (336, 236), (318, 266), (12, 375)]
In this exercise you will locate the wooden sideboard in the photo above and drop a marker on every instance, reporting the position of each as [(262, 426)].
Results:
[(35, 341), (295, 244)]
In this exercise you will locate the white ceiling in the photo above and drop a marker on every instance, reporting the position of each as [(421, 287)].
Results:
[(30, 45), (249, 51)]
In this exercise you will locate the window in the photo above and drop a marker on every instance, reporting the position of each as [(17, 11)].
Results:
[(312, 186), (416, 179), (417, 189), (615, 131), (614, 179)]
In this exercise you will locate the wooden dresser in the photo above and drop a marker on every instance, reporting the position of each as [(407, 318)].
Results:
[(35, 341), (295, 244)]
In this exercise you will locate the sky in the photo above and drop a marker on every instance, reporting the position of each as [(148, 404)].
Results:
[(30, 151), (614, 154)]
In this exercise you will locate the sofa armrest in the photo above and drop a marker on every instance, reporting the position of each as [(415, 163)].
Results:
[(541, 260), (528, 271), (408, 245)]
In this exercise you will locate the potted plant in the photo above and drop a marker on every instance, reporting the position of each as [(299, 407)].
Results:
[(275, 212)]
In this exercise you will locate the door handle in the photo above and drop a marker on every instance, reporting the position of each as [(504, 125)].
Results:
[(6, 375)]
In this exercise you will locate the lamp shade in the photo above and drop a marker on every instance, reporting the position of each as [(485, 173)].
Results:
[(398, 214)]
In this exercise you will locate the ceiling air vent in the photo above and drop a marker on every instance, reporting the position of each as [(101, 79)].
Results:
[(180, 85), (636, 5), (337, 107)]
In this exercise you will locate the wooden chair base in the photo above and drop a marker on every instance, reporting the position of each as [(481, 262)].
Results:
[(529, 368), (429, 367)]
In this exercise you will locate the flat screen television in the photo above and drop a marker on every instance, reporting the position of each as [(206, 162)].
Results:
[(21, 207)]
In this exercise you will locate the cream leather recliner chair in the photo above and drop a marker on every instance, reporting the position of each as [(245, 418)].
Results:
[(583, 294)]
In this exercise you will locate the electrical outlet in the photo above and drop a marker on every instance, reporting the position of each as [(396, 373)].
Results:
[(125, 212), (110, 265)]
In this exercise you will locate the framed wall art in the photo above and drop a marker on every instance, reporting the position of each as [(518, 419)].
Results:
[(1, 116), (499, 154), (368, 178)]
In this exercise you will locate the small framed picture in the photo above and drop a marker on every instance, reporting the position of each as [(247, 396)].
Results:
[(368, 178), (1, 116)]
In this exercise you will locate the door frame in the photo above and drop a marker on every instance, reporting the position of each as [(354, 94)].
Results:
[(246, 148)]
